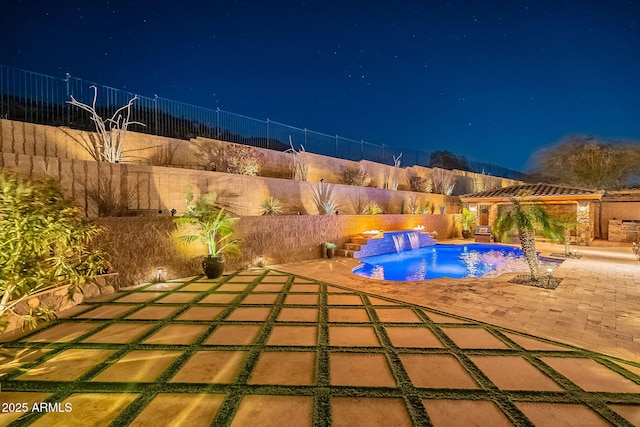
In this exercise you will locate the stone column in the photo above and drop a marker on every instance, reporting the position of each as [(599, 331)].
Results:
[(583, 223)]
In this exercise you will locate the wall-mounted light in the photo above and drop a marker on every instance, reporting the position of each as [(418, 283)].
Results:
[(159, 272), (473, 208), (582, 208)]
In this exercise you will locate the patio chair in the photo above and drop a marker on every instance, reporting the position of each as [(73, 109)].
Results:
[(483, 234)]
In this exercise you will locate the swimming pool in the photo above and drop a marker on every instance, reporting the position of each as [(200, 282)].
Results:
[(441, 260)]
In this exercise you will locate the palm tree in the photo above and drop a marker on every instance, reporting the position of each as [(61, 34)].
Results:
[(527, 219)]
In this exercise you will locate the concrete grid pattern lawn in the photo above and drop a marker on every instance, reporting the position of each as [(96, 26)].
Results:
[(263, 347)]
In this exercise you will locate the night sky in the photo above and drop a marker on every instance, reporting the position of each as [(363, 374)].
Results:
[(491, 80)]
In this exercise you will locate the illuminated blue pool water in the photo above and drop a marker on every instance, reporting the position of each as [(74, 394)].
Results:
[(431, 262)]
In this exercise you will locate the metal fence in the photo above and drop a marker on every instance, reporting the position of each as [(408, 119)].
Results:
[(38, 98)]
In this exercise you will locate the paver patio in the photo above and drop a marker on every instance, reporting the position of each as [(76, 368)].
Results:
[(267, 347)]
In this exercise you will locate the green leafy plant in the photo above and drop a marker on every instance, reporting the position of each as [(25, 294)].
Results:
[(374, 209), (526, 219), (210, 225), (271, 206), (330, 245), (466, 219), (44, 244)]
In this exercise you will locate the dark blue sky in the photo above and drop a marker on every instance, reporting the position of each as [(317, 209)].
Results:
[(492, 80)]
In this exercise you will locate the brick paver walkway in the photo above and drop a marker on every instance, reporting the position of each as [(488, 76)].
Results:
[(597, 305), (268, 348)]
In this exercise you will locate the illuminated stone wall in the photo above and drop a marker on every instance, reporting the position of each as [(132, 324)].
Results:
[(142, 244)]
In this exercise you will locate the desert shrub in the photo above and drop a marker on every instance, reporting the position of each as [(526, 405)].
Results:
[(418, 183), (44, 244), (298, 166), (354, 176), (443, 181), (242, 159), (108, 197)]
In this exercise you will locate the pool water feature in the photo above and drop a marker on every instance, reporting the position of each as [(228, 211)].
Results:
[(441, 260)]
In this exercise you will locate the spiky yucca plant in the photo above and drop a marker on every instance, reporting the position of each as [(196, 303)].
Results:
[(271, 206)]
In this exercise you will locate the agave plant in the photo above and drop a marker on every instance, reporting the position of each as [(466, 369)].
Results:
[(271, 206), (374, 209), (321, 195)]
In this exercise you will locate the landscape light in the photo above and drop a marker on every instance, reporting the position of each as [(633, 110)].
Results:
[(159, 272), (260, 261)]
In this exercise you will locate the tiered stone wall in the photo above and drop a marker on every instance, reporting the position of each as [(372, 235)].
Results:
[(65, 143)]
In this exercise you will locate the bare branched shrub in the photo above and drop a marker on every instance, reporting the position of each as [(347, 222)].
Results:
[(321, 193), (111, 131), (413, 203), (354, 176), (443, 181), (391, 178), (419, 183), (299, 167), (242, 159)]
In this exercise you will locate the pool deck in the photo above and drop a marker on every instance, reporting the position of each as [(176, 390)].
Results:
[(596, 306), (311, 344)]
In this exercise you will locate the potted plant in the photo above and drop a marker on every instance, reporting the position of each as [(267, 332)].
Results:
[(214, 228), (329, 249), (467, 220)]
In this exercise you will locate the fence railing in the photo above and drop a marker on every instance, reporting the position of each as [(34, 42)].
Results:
[(38, 98)]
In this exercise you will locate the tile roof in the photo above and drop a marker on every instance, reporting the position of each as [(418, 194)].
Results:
[(539, 190)]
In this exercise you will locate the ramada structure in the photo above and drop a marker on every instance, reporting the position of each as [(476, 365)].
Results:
[(580, 204)]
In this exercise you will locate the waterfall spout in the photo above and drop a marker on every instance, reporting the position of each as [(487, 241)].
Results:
[(398, 241), (414, 240)]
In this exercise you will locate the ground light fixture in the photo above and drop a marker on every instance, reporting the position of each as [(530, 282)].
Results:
[(159, 272), (549, 275), (260, 261)]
